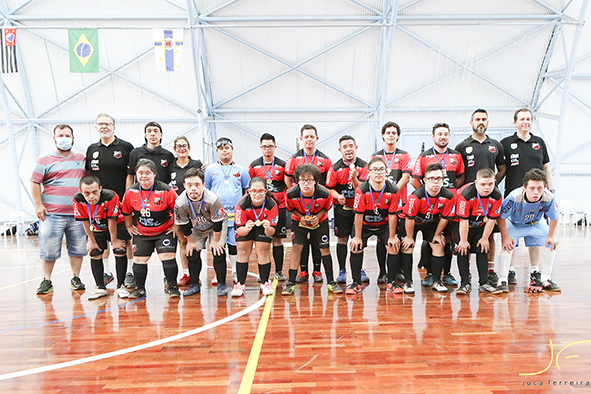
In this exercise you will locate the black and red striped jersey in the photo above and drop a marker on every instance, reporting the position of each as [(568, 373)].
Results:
[(321, 199), (245, 211), (108, 207), (427, 209), (275, 171), (397, 164), (376, 205), (152, 209), (338, 179), (319, 159), (451, 160), (474, 208)]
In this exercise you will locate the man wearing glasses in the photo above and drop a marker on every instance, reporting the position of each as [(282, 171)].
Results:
[(309, 204), (429, 210), (107, 160), (272, 170)]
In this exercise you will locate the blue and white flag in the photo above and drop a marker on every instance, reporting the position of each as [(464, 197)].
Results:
[(168, 49)]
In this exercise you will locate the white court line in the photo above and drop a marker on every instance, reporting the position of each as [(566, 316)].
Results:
[(103, 356)]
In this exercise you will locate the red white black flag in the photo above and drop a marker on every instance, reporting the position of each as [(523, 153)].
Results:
[(8, 49)]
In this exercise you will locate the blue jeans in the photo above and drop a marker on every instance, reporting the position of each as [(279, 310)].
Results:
[(51, 232)]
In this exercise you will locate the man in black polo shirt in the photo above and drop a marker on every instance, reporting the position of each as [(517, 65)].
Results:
[(480, 151), (107, 160), (154, 151)]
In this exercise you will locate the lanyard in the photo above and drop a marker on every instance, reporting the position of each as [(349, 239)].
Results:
[(193, 209), (91, 218), (376, 202), (270, 173), (444, 159), (262, 209), (485, 212), (313, 156), (142, 196), (429, 203), (308, 209), (388, 163), (226, 176)]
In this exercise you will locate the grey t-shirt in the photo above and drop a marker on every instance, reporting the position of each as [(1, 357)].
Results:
[(204, 214)]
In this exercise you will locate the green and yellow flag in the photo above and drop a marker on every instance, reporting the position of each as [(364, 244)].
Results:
[(84, 56)]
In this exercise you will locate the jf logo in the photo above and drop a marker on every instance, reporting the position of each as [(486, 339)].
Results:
[(555, 359)]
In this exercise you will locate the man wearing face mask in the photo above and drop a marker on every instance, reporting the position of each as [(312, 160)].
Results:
[(54, 182)]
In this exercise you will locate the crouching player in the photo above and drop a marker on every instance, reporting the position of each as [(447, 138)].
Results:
[(478, 206), (200, 216), (522, 215), (99, 211), (309, 204), (376, 208)]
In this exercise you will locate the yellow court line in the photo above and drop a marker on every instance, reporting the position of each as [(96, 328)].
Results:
[(36, 279), (255, 351)]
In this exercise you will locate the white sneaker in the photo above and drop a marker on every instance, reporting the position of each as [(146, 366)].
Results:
[(234, 277), (267, 289), (214, 281), (238, 290), (122, 292), (439, 286), (408, 288), (98, 293)]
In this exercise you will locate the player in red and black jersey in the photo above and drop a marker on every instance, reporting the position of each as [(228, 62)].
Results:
[(398, 169), (99, 211), (309, 204), (453, 178), (478, 206), (429, 209), (342, 179), (256, 219), (376, 207), (270, 167), (148, 207), (308, 154)]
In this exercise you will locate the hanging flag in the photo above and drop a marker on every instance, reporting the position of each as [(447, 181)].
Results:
[(168, 49), (9, 51), (84, 55)]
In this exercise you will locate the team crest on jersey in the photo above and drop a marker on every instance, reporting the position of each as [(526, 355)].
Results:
[(492, 149), (277, 172), (163, 163), (117, 154), (95, 155), (453, 210), (220, 212), (396, 160), (158, 201), (452, 161), (469, 149), (535, 146), (513, 146), (236, 175), (134, 247)]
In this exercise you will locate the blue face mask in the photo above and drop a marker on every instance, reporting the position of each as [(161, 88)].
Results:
[(63, 143)]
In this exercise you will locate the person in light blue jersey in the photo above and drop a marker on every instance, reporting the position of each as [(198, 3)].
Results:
[(229, 181), (522, 215)]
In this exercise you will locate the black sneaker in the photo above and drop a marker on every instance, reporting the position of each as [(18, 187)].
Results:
[(503, 287), (129, 281), (76, 284), (382, 279), (493, 278), (464, 289), (108, 278), (353, 288), (400, 278), (45, 287), (487, 288), (512, 279), (288, 288), (137, 293), (550, 286), (535, 284), (173, 291)]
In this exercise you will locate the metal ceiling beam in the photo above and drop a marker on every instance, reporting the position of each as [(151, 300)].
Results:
[(216, 9), (196, 56), (556, 31)]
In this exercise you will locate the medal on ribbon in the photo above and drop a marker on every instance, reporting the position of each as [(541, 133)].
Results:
[(376, 203), (258, 222), (144, 211)]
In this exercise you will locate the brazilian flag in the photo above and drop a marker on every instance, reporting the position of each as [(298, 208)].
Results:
[(84, 54)]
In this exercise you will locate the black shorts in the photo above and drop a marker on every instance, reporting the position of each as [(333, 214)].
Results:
[(427, 230), (281, 227), (143, 246), (257, 234), (474, 235), (382, 233), (104, 237), (318, 237), (344, 220)]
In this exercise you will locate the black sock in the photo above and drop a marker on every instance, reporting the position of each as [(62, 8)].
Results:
[(327, 262), (464, 268), (381, 253), (316, 257), (195, 265), (97, 268), (278, 257), (171, 271), (121, 269), (393, 261), (241, 272), (140, 272), (292, 275), (482, 265), (437, 265), (219, 266), (342, 251), (304, 256), (406, 263), (356, 263), (264, 271), (448, 254)]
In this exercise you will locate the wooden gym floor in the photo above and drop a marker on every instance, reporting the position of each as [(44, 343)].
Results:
[(312, 342)]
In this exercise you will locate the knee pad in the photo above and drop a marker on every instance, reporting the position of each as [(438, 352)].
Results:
[(232, 250), (119, 251), (96, 252)]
